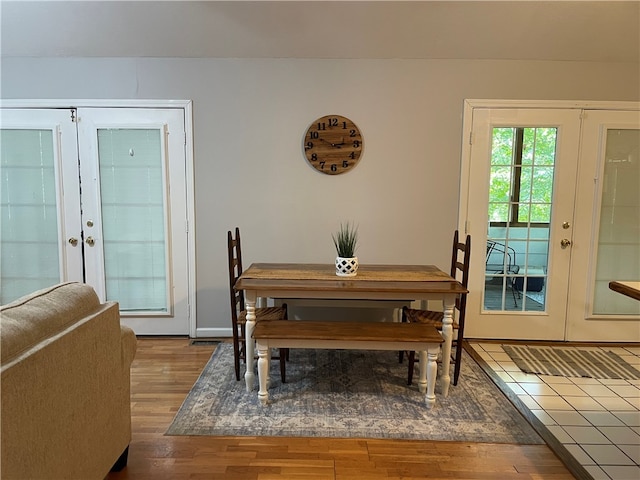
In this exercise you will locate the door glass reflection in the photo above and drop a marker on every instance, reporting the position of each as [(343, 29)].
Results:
[(618, 252)]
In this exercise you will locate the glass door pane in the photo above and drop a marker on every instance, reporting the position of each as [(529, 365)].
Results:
[(618, 251), (39, 237), (519, 215), (132, 190), (29, 234)]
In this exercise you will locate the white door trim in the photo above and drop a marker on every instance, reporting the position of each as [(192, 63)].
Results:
[(187, 107), (554, 104)]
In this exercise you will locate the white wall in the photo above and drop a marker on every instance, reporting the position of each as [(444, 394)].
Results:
[(249, 118)]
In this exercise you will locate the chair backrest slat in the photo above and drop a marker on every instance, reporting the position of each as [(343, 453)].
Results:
[(235, 270), (460, 267)]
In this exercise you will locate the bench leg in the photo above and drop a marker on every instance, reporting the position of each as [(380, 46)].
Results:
[(428, 372), (263, 371), (422, 370)]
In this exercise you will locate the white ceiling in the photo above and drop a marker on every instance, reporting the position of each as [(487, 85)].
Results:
[(573, 30)]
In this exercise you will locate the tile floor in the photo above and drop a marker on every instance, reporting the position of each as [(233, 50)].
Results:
[(597, 421)]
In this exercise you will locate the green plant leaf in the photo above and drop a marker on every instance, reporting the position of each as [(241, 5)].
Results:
[(346, 240)]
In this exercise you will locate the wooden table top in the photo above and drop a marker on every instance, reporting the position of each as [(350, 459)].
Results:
[(630, 289), (370, 278)]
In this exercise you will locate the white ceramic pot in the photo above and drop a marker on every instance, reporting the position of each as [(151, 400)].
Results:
[(346, 267)]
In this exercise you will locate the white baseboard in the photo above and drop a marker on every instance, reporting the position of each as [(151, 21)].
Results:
[(217, 332)]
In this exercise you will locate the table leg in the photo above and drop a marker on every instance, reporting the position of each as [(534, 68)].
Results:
[(263, 372), (250, 305), (447, 334)]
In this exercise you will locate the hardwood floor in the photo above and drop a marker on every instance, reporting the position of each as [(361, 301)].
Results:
[(164, 371)]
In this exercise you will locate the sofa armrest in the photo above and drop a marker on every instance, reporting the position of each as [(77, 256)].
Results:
[(129, 345)]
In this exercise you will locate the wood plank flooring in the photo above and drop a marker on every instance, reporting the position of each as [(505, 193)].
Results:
[(164, 371)]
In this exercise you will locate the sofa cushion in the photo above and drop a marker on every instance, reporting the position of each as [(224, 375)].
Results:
[(33, 318)]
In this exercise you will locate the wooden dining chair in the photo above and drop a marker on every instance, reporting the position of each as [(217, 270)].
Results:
[(459, 271), (238, 312)]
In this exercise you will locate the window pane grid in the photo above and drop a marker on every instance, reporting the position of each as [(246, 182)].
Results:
[(520, 194)]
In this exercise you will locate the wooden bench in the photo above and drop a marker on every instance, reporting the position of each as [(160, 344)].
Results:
[(424, 339)]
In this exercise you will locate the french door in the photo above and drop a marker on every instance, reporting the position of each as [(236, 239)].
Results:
[(606, 234), (534, 199), (517, 251), (98, 195)]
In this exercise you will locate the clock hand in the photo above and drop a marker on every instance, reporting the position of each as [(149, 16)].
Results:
[(334, 145)]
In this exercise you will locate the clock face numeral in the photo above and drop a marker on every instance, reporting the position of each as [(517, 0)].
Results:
[(333, 144), (334, 166)]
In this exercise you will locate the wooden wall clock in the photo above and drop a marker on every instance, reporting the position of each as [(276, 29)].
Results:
[(333, 144)]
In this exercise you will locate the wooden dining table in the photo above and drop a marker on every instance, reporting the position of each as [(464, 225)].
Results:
[(373, 282), (630, 289)]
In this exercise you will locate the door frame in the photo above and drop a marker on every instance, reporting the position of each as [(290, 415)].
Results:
[(187, 107), (467, 126)]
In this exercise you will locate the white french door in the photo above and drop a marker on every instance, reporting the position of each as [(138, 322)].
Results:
[(606, 234), (550, 197), (99, 195), (511, 253)]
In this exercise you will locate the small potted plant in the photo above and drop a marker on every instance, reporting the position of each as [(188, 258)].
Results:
[(346, 241)]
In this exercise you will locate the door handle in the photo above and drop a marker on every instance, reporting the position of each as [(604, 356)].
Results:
[(73, 241), (90, 241), (565, 242)]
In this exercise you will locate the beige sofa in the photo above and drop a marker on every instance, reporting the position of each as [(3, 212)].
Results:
[(66, 407)]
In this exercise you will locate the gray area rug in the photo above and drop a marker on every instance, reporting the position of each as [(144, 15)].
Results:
[(348, 394), (570, 362)]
